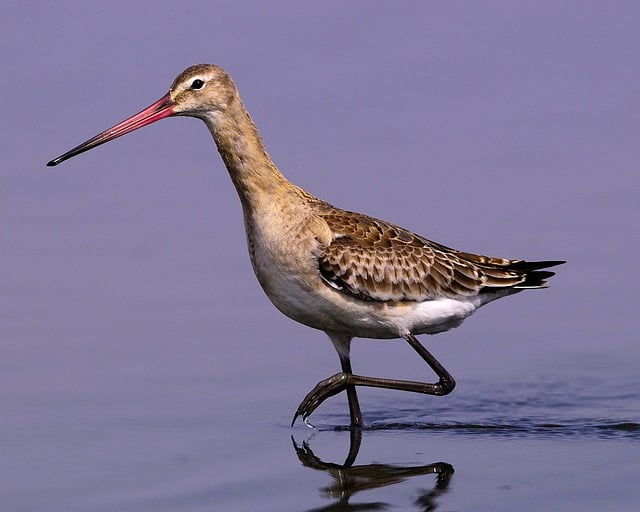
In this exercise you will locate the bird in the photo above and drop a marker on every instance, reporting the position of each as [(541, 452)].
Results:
[(345, 273)]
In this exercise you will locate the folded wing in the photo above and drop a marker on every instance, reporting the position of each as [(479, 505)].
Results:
[(375, 260)]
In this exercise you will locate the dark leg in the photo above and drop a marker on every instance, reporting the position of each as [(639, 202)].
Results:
[(445, 383), (342, 344), (352, 396), (342, 381)]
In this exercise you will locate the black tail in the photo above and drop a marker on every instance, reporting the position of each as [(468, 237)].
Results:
[(533, 277)]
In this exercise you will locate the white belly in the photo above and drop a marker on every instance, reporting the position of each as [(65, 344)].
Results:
[(309, 300), (289, 275)]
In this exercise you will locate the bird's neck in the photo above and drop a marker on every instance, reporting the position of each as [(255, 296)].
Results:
[(255, 176)]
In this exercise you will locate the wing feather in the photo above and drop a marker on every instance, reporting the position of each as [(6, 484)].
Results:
[(375, 260)]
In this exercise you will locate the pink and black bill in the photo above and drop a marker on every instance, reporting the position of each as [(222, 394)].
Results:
[(162, 108)]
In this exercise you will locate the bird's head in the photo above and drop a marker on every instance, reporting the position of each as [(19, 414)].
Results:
[(199, 91)]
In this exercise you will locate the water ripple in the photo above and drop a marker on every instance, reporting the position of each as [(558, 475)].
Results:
[(540, 409), (522, 428)]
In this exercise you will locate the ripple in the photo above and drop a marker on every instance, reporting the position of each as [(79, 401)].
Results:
[(588, 429), (539, 409)]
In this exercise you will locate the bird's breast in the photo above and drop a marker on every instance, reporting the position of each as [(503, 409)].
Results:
[(284, 247)]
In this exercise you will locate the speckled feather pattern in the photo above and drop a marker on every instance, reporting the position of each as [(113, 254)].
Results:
[(376, 260)]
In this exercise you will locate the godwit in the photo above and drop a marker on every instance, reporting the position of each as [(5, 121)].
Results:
[(345, 273)]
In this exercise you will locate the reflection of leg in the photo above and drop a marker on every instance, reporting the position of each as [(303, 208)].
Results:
[(349, 478), (347, 380), (427, 500), (355, 439)]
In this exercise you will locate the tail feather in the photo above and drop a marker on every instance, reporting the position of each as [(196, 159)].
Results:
[(527, 266), (520, 274), (533, 277)]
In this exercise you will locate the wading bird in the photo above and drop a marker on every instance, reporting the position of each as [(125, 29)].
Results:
[(345, 273)]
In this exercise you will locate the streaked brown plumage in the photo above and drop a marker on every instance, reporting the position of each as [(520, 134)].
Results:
[(345, 273), (376, 260)]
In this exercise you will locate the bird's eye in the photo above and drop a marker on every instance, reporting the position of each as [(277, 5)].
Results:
[(197, 84)]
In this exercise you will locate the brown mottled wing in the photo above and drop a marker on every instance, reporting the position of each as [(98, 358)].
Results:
[(375, 260)]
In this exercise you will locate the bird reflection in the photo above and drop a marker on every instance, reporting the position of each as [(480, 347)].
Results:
[(349, 479)]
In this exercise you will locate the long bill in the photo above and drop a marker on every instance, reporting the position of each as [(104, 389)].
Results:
[(162, 108)]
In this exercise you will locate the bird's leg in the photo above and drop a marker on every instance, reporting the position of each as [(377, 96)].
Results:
[(342, 381), (335, 384), (352, 396), (445, 383)]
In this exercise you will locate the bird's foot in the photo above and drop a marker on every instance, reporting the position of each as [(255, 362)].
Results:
[(322, 390)]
